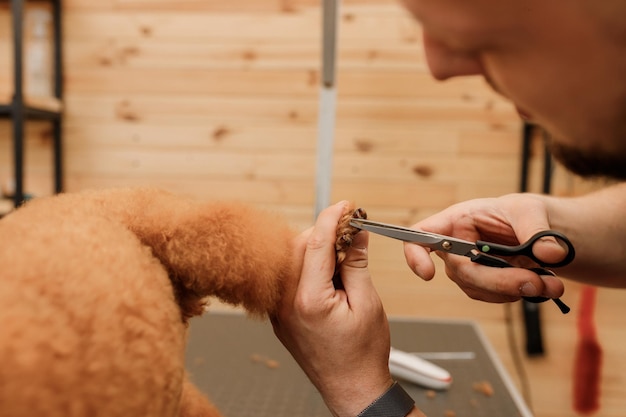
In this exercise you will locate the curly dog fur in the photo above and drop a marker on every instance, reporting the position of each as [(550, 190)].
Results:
[(96, 289)]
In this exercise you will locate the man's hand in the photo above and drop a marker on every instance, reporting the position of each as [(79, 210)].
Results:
[(508, 220), (339, 337)]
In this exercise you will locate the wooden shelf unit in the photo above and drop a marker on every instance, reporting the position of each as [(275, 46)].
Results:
[(19, 108)]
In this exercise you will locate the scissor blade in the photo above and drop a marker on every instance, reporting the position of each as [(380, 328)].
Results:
[(395, 232), (427, 239)]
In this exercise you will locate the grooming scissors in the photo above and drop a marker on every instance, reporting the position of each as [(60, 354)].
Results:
[(481, 252)]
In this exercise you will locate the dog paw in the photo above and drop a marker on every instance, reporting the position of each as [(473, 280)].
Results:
[(346, 233)]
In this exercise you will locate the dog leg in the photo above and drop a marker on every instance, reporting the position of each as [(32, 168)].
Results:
[(233, 251)]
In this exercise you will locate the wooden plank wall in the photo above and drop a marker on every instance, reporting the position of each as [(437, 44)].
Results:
[(219, 100)]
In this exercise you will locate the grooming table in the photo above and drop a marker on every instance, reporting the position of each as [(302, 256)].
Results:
[(245, 371)]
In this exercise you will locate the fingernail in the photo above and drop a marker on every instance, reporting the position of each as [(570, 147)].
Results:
[(528, 290)]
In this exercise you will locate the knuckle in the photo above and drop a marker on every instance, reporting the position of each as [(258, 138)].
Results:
[(356, 258), (473, 294), (315, 241), (305, 306)]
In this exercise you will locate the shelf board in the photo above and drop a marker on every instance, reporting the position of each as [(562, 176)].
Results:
[(45, 107), (48, 104)]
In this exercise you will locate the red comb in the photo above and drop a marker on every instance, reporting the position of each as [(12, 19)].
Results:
[(588, 360)]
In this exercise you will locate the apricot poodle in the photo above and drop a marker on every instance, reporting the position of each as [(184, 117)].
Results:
[(96, 289)]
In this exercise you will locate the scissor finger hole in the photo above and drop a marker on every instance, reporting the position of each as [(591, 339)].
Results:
[(550, 250)]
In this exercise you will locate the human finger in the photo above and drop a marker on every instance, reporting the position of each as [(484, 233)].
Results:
[(419, 260), (550, 250), (529, 219), (319, 258), (355, 276), (499, 284)]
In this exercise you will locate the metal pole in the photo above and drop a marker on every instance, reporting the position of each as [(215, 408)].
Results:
[(531, 312), (327, 106), (57, 126), (17, 106)]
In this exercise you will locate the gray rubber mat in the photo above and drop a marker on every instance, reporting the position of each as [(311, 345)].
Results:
[(245, 370)]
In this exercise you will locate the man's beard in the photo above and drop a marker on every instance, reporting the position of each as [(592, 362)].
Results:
[(590, 163)]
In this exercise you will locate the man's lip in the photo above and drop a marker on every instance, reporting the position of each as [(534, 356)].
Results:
[(523, 113)]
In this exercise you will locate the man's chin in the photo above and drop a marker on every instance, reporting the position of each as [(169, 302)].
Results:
[(590, 164)]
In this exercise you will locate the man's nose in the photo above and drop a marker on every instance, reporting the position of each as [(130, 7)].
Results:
[(446, 63)]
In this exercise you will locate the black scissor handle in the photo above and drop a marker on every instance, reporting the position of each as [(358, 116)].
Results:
[(488, 260), (526, 248), (560, 304)]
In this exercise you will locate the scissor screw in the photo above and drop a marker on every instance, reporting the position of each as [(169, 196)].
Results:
[(446, 245)]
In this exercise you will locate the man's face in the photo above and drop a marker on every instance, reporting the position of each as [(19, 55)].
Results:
[(561, 62)]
